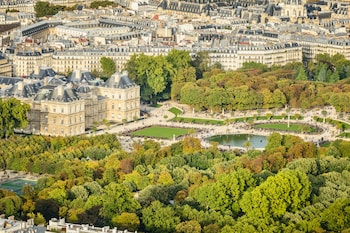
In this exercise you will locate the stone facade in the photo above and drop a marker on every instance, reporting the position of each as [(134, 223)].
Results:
[(62, 106)]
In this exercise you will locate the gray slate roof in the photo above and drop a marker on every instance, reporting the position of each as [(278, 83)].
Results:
[(121, 81), (60, 93)]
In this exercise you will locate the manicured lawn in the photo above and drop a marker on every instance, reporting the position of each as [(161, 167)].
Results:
[(284, 127), (325, 144), (243, 119), (338, 124), (344, 135), (175, 111), (198, 121), (160, 132)]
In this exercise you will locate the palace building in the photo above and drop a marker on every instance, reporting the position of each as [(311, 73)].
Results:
[(61, 106)]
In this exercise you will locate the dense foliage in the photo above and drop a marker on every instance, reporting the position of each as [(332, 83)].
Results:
[(108, 66), (13, 115), (47, 9), (254, 86), (291, 186), (97, 4)]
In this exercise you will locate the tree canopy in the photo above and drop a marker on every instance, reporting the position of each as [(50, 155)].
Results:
[(108, 66), (13, 114)]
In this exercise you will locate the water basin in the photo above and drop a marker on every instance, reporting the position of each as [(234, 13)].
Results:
[(238, 140)]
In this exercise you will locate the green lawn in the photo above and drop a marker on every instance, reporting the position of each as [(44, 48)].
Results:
[(160, 132), (284, 127), (338, 124), (344, 135), (175, 111), (325, 144), (243, 119), (198, 121)]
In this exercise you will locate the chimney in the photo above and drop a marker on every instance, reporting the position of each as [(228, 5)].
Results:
[(60, 90), (20, 86), (78, 75), (116, 77)]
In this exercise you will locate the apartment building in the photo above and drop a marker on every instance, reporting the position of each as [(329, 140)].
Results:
[(277, 54), (315, 45), (28, 60), (5, 67)]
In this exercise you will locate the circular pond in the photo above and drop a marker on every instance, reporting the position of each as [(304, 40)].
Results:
[(238, 140)]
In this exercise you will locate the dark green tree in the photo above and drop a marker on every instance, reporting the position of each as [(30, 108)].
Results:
[(201, 63)]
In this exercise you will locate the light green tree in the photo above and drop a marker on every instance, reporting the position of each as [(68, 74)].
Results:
[(108, 66), (126, 221), (189, 227), (301, 74), (13, 114)]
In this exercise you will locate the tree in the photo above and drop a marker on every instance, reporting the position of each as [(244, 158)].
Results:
[(108, 66), (179, 59), (193, 95), (106, 123), (189, 227), (97, 4), (247, 145), (301, 74), (153, 74), (337, 216), (126, 221), (201, 63), (287, 191), (38, 218), (41, 9), (334, 77), (46, 9), (159, 219), (10, 205), (322, 74), (254, 65), (226, 192), (118, 199), (218, 99), (274, 141), (13, 114)]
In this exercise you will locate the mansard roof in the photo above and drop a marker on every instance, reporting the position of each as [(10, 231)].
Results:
[(55, 81), (21, 89), (59, 93), (78, 76), (83, 89), (9, 80), (121, 81)]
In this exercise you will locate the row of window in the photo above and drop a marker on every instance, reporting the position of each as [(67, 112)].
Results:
[(72, 120), (72, 131), (74, 108)]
